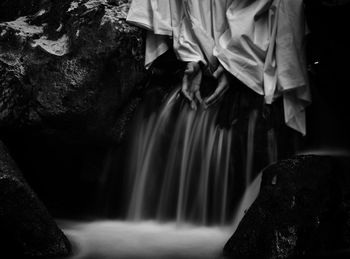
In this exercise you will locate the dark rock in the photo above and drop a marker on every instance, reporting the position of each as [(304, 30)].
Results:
[(302, 210), (11, 9), (71, 75), (26, 227), (73, 66)]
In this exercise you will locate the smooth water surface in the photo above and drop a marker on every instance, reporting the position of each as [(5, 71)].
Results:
[(146, 240)]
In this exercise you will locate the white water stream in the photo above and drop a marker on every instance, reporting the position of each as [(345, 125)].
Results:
[(151, 239), (179, 191)]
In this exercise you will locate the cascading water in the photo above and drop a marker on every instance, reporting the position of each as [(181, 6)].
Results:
[(184, 193), (181, 166), (176, 154)]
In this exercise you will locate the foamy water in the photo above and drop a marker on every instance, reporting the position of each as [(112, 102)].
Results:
[(154, 240), (149, 239)]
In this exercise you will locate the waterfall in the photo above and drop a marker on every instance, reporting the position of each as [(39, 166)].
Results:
[(181, 165), (187, 185)]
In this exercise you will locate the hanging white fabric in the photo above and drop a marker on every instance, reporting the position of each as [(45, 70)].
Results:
[(261, 42)]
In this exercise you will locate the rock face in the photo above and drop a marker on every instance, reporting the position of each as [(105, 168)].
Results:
[(11, 9), (72, 65), (26, 228), (71, 76), (302, 210)]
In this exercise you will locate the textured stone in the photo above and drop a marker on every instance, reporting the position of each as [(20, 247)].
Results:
[(73, 66), (71, 75), (26, 227), (11, 9), (301, 211)]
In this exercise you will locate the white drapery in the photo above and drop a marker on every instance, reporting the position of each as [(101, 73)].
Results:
[(261, 42)]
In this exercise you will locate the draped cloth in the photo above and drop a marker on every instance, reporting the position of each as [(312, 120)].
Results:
[(260, 42)]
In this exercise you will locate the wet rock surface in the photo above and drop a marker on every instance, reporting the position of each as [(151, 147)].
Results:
[(301, 211), (72, 66), (26, 227), (71, 74), (11, 9)]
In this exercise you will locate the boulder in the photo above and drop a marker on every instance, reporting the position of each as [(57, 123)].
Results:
[(11, 9), (71, 76), (73, 66), (26, 227), (302, 210)]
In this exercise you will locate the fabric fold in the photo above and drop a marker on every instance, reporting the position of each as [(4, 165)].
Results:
[(259, 42)]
